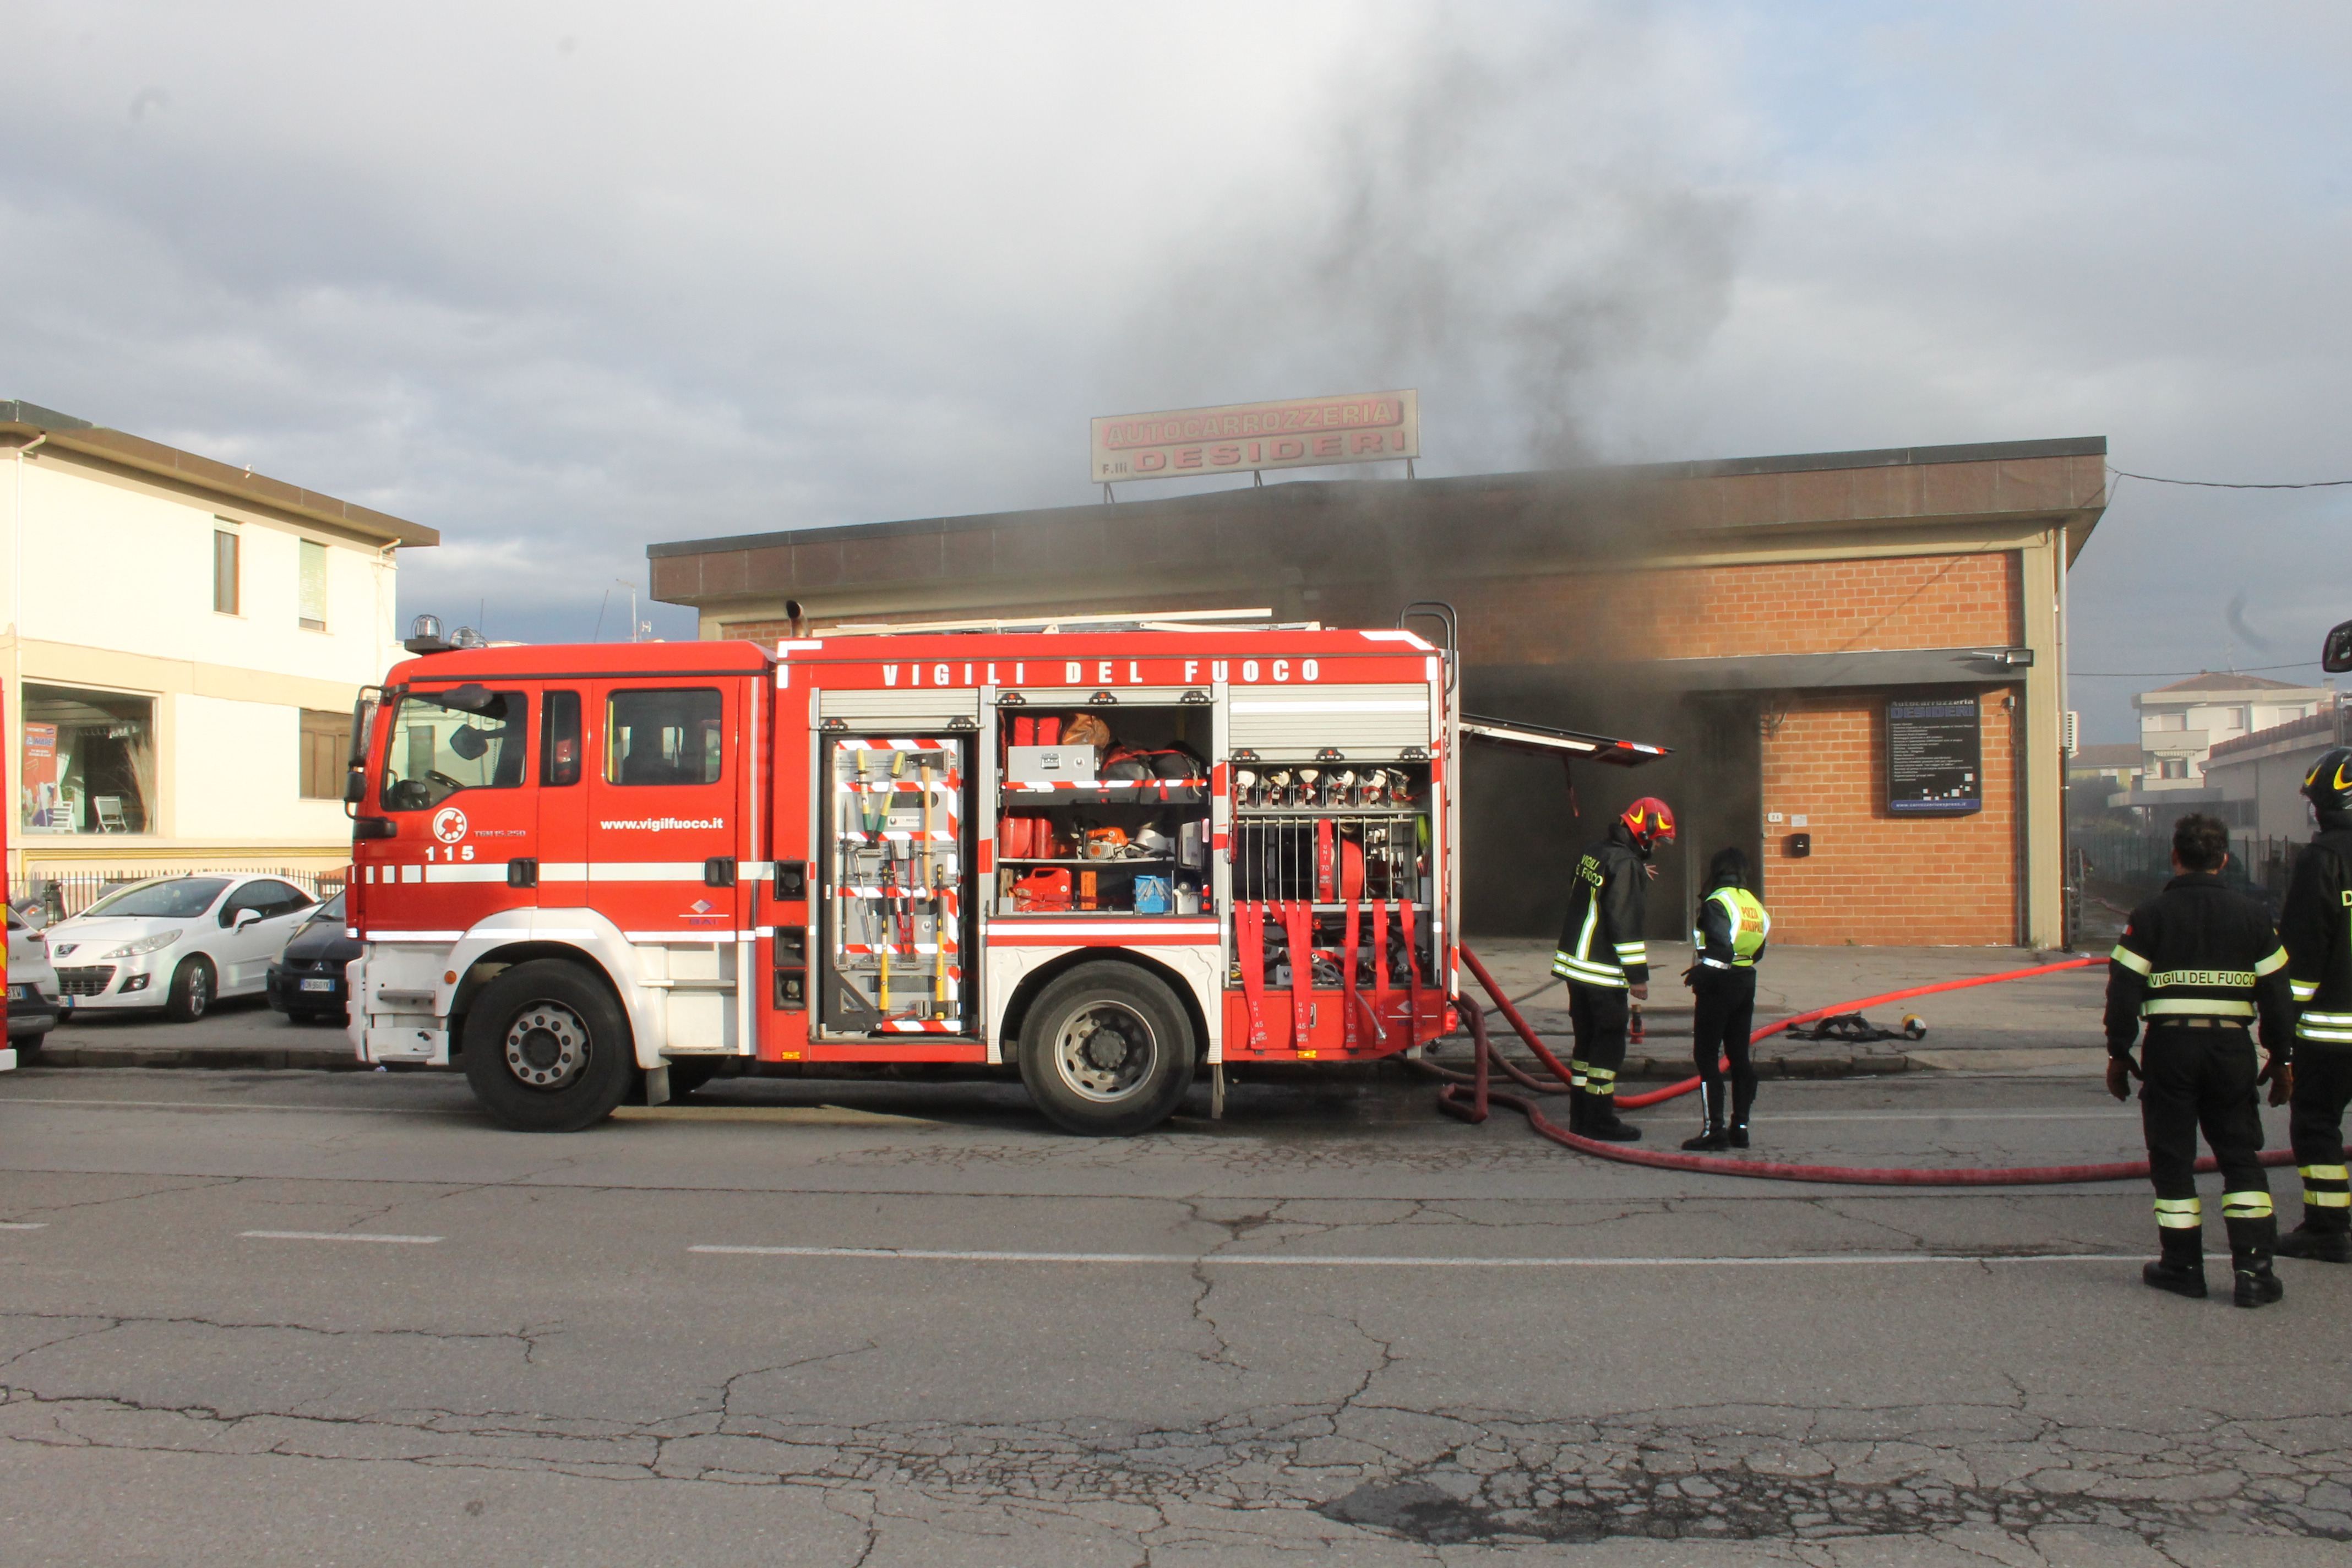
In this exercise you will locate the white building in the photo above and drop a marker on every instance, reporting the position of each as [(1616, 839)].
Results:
[(185, 642), (2260, 776), (2181, 723)]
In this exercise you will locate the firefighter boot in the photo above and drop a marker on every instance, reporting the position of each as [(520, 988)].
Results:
[(1600, 1122), (1712, 1138), (2251, 1242), (1743, 1099), (2322, 1237), (2181, 1269)]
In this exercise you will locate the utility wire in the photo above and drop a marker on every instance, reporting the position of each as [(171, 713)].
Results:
[(2161, 674), (2218, 485)]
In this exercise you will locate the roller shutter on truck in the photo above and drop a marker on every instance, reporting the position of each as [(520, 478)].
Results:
[(1375, 723), (938, 704)]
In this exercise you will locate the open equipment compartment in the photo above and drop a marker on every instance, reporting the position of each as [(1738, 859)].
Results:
[(1117, 826), (895, 884)]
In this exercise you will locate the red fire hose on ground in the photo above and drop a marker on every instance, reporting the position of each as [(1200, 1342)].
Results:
[(1473, 1107)]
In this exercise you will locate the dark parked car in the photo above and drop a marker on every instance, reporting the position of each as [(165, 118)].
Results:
[(305, 980)]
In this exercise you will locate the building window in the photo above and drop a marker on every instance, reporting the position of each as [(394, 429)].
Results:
[(326, 753), (314, 586), (226, 598), (88, 764), (2165, 722), (2174, 768)]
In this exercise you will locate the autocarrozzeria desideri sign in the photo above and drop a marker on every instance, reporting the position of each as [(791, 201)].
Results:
[(1294, 433)]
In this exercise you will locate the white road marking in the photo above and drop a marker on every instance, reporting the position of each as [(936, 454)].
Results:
[(334, 1236), (24, 1225), (2115, 1113), (199, 1105), (1297, 1261)]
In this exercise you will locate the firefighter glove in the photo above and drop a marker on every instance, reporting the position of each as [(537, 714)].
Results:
[(2121, 1070)]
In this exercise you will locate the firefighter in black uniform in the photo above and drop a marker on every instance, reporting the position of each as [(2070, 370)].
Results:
[(1602, 958), (2197, 963), (2317, 927), (1727, 941)]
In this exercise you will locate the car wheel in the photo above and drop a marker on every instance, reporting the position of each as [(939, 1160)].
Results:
[(547, 1048), (191, 996), (1106, 1050)]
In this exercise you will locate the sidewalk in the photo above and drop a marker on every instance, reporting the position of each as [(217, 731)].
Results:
[(2046, 1026)]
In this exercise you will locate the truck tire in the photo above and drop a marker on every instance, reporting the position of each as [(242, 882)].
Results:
[(190, 995), (547, 1048), (1106, 1050)]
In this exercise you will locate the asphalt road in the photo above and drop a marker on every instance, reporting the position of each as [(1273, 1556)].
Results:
[(307, 1318)]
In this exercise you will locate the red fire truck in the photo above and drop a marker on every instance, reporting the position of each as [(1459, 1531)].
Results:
[(1108, 858)]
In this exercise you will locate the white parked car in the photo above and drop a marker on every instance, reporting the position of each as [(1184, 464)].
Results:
[(180, 944), (31, 988)]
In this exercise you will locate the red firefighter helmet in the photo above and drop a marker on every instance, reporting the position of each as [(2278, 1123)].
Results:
[(1649, 820)]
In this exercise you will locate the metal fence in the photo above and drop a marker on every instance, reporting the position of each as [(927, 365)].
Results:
[(62, 895), (2260, 867)]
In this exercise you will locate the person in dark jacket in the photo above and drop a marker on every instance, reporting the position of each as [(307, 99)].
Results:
[(2197, 964), (2315, 924), (1602, 958), (1728, 940)]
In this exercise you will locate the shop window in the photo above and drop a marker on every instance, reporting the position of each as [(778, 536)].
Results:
[(663, 737), (226, 596), (326, 753), (88, 764), (313, 587)]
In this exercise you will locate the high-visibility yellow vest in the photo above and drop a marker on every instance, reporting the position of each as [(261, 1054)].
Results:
[(1749, 923)]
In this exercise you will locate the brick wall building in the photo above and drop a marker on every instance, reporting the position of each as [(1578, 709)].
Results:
[(1756, 615)]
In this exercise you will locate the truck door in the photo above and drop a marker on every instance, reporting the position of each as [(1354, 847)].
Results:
[(662, 835), (457, 779)]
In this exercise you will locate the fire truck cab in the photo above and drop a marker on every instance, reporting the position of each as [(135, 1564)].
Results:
[(1107, 860)]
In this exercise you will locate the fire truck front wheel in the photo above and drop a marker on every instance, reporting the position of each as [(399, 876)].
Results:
[(1106, 1050), (547, 1048)]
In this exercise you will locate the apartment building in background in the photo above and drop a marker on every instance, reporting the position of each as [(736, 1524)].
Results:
[(185, 642), (2181, 724)]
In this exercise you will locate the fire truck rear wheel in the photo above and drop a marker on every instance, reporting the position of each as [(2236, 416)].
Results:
[(547, 1048), (1107, 1051)]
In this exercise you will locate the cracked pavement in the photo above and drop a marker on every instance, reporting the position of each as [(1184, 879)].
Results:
[(1954, 1378)]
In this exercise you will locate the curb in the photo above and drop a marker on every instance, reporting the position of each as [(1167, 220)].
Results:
[(225, 1058)]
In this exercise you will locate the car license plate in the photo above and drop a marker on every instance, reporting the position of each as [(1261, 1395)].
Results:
[(20, 993), (318, 986)]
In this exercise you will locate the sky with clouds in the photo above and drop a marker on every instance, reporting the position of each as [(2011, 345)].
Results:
[(560, 279)]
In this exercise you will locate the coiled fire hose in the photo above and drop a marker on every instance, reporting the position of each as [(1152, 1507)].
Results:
[(1473, 1107)]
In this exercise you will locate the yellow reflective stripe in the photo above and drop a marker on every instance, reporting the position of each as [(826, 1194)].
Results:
[(2179, 1214), (2327, 1200), (2304, 989), (1591, 924), (2129, 960), (2245, 1205), (2274, 963), (2325, 1037), (2339, 1020), (2235, 979), (1576, 1071), (2322, 1173), (2196, 1006), (1633, 952), (1588, 973)]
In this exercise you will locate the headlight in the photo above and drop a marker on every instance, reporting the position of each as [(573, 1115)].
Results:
[(145, 944)]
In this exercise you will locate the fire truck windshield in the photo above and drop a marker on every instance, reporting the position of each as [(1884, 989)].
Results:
[(433, 751)]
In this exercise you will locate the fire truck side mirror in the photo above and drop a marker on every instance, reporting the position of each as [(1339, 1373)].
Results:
[(354, 787), (792, 881), (2336, 654)]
